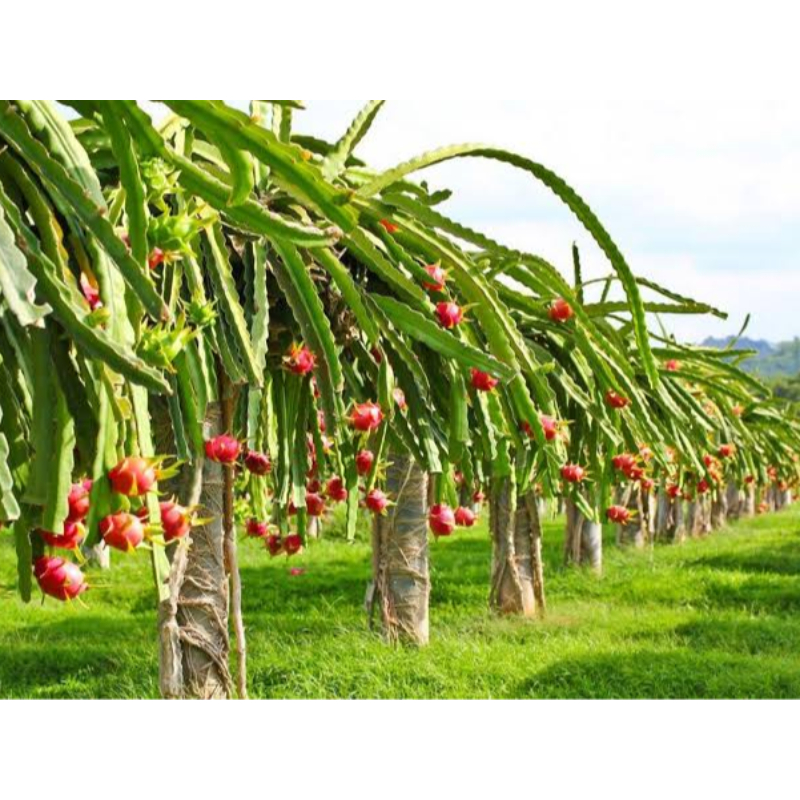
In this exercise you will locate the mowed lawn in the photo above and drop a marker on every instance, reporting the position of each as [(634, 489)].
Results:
[(718, 617)]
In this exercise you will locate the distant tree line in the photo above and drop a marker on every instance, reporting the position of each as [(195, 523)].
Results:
[(787, 387)]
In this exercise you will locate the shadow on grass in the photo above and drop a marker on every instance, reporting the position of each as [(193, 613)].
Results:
[(277, 589), (650, 674), (780, 560), (756, 595), (764, 636), (70, 657)]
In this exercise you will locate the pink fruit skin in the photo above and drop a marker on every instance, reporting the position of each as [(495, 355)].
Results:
[(257, 463), (561, 311), (450, 315), (315, 504), (60, 579), (465, 517), (549, 428), (175, 520), (223, 449), (133, 477), (78, 501), (376, 501), (366, 417), (618, 514), (292, 545), (482, 381), (122, 531), (74, 534), (572, 473), (257, 529), (300, 360), (438, 278), (364, 461), (336, 491), (442, 520)]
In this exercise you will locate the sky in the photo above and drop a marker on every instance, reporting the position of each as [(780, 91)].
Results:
[(701, 194)]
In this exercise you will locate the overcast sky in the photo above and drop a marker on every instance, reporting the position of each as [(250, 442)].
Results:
[(702, 196)]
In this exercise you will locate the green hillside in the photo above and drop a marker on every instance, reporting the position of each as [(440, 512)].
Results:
[(771, 361)]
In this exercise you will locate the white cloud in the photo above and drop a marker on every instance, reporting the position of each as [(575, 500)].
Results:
[(700, 190), (768, 294), (700, 193)]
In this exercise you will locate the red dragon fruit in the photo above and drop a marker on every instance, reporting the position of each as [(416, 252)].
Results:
[(573, 473), (482, 381), (619, 515), (450, 315), (122, 531), (156, 258), (364, 461), (465, 517), (389, 226), (549, 428), (560, 311), (74, 534), (78, 501), (274, 544), (59, 578), (377, 502), (300, 360), (438, 278), (315, 504), (292, 544), (223, 449), (90, 293), (616, 401), (366, 417), (257, 529), (336, 491), (726, 451), (257, 463), (442, 520), (133, 476), (175, 520)]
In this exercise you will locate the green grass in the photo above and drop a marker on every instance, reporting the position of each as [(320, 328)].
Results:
[(713, 618)]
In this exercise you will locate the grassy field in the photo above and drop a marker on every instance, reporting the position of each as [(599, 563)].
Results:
[(713, 618)]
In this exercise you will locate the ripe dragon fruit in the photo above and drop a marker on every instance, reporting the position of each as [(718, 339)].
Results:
[(482, 381), (176, 520), (438, 278), (366, 417), (71, 539), (223, 449), (560, 311), (122, 531), (58, 578), (377, 502), (465, 517), (133, 476), (300, 360), (442, 520), (257, 463), (450, 315)]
